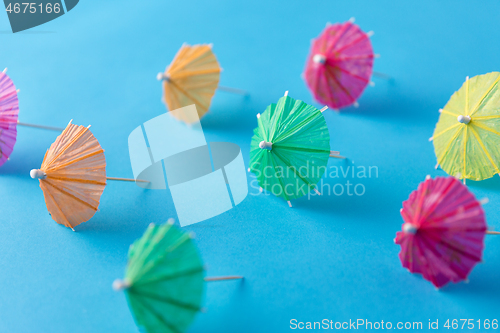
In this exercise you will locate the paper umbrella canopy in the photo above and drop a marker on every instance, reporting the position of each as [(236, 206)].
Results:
[(339, 65), (9, 110), (191, 78), (164, 280), (290, 148), (443, 231), (73, 176), (467, 135)]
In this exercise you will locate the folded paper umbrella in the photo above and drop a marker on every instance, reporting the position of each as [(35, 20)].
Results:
[(9, 110), (340, 65), (467, 135), (443, 231), (73, 176), (290, 148), (192, 78), (164, 281)]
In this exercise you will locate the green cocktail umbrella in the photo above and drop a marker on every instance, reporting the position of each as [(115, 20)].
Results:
[(164, 280), (290, 148), (467, 135)]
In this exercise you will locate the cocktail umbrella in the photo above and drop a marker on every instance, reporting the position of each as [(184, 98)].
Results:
[(9, 110), (340, 64), (443, 231), (192, 78), (290, 148), (467, 135), (73, 176), (164, 280)]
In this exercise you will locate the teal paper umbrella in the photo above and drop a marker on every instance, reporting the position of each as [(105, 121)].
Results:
[(164, 280), (290, 148)]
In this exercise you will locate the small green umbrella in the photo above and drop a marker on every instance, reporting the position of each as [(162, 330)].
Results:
[(290, 148), (164, 281)]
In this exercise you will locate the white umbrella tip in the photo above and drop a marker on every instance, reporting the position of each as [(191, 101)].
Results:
[(352, 20), (120, 285), (171, 221), (5, 70), (410, 228), (319, 59), (159, 76), (38, 174)]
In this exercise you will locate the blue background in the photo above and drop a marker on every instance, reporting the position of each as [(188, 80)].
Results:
[(328, 257)]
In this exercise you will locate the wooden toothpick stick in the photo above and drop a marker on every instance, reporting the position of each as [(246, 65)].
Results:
[(492, 232), (127, 180), (50, 128), (223, 278)]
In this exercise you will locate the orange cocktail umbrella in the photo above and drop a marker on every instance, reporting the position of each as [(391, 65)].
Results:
[(73, 176), (192, 78)]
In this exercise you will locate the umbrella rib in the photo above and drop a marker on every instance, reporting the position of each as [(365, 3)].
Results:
[(158, 316), (465, 153), (486, 117), (446, 130), (295, 172), (188, 95), (485, 95), (152, 263), (76, 160), (365, 56), (280, 180), (71, 195), (308, 150), (68, 144), (453, 247), (76, 180), (338, 83), (166, 300), (169, 277), (448, 113), (341, 34), (446, 150), (484, 149), (58, 208), (353, 75), (354, 42)]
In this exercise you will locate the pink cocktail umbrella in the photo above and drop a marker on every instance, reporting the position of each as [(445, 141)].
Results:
[(443, 233), (340, 65), (9, 111)]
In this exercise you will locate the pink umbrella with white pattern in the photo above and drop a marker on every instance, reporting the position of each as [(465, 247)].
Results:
[(9, 110), (340, 65), (443, 233)]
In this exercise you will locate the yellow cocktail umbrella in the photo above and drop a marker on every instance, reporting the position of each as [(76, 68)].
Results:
[(467, 135)]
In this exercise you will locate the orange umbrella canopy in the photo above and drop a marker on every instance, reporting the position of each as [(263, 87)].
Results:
[(191, 78), (73, 176)]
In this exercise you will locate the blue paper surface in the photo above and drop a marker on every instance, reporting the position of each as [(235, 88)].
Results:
[(331, 256)]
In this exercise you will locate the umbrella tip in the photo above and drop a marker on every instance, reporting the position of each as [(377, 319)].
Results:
[(319, 59), (286, 93), (38, 174), (170, 221), (427, 177), (159, 76), (370, 33), (5, 70), (409, 228), (289, 204), (120, 285), (352, 19), (464, 119)]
